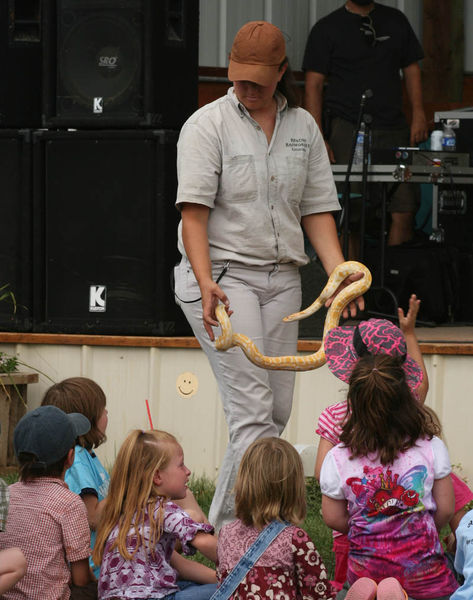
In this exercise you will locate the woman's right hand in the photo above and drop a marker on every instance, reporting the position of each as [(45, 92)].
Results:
[(194, 235), (212, 294)]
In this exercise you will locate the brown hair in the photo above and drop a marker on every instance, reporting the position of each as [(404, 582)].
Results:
[(82, 395), (384, 417), (132, 494), (287, 86), (32, 468), (270, 484)]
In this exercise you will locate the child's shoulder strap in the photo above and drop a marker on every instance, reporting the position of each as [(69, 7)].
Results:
[(247, 561)]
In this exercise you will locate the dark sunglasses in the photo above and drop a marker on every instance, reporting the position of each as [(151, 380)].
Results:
[(368, 30)]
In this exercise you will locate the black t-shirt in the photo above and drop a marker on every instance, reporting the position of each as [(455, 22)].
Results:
[(337, 48)]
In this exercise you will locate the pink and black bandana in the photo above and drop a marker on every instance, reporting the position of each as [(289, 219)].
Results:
[(345, 345)]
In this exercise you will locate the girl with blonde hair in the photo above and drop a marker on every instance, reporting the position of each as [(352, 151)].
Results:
[(269, 489), (140, 526)]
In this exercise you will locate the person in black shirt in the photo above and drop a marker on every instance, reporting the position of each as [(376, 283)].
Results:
[(365, 45)]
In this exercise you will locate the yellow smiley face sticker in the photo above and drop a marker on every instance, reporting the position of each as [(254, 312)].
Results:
[(187, 384)]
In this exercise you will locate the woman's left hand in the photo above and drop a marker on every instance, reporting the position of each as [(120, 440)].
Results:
[(356, 305)]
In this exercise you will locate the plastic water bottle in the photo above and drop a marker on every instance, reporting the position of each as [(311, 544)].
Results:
[(436, 140), (449, 141), (360, 141)]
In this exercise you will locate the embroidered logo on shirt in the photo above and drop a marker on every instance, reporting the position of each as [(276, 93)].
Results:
[(298, 144)]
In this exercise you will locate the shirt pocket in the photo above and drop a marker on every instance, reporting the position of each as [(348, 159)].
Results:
[(297, 177), (238, 181)]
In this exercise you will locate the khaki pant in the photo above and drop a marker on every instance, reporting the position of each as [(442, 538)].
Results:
[(257, 402)]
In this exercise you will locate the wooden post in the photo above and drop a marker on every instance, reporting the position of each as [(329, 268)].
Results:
[(12, 408), (444, 50)]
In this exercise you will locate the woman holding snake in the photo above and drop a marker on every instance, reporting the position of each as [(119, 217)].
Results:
[(252, 167)]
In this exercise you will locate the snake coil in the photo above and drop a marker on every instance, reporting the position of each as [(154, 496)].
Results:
[(228, 339)]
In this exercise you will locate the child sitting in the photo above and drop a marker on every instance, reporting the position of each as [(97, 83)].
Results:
[(46, 520), (270, 486), (87, 476), (140, 526), (345, 346), (464, 557), (387, 484)]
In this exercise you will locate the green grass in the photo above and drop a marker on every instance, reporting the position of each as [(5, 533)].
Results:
[(10, 477), (203, 490)]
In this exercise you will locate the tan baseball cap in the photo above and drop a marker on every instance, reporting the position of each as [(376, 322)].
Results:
[(258, 50)]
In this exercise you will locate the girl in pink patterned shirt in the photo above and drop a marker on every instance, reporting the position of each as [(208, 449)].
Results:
[(379, 337), (387, 483)]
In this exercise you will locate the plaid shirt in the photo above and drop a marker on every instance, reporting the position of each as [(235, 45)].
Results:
[(49, 524), (4, 502)]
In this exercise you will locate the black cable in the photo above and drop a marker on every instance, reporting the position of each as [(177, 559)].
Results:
[(222, 273)]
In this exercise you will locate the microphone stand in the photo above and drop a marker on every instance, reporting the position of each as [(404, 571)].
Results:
[(366, 119), (344, 223)]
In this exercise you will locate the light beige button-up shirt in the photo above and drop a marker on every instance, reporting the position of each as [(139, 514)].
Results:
[(257, 192)]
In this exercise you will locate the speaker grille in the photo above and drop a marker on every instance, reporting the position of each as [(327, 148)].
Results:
[(119, 63), (100, 57)]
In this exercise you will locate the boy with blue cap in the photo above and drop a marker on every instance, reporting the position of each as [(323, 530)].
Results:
[(46, 520)]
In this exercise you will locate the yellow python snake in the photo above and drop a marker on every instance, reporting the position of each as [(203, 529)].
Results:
[(228, 339)]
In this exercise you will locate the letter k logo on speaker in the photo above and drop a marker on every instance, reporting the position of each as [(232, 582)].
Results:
[(97, 298), (98, 105)]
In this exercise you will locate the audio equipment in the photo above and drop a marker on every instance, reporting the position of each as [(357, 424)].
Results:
[(105, 232), (119, 63)]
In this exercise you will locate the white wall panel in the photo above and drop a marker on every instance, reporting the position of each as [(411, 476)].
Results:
[(211, 33), (129, 376)]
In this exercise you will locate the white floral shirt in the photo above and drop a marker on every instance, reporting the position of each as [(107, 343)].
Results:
[(148, 575)]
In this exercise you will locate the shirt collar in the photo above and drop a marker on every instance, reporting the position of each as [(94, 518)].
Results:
[(280, 100), (47, 480)]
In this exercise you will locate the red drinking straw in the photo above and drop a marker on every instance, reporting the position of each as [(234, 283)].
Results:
[(149, 414)]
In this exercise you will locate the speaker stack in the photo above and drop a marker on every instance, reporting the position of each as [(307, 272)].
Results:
[(96, 93)]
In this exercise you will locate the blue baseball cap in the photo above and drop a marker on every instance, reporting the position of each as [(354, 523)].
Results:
[(48, 433)]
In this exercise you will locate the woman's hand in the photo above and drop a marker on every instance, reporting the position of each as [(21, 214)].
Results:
[(357, 304), (194, 235), (212, 294), (322, 233)]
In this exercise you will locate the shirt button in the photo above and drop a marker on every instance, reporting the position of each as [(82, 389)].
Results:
[(272, 207), (272, 178), (258, 127)]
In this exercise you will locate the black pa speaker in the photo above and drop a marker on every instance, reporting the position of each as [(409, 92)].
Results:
[(20, 64), (120, 63), (105, 232), (15, 230)]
